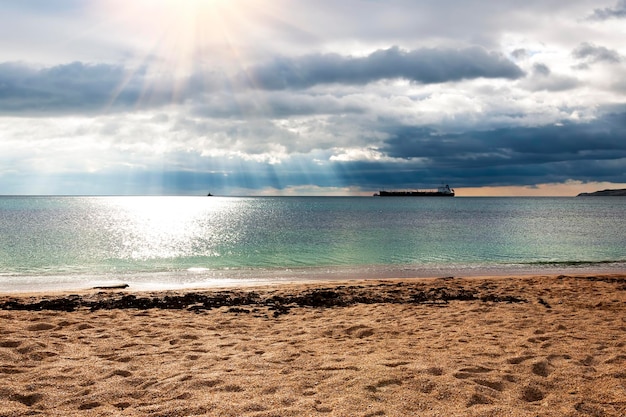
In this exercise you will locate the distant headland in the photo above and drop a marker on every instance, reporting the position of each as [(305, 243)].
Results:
[(605, 193)]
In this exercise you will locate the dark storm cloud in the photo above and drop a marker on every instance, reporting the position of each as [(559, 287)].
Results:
[(519, 155), (515, 156), (616, 12), (375, 176), (427, 66), (71, 87)]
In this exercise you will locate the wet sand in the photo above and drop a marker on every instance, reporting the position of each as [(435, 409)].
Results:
[(515, 346)]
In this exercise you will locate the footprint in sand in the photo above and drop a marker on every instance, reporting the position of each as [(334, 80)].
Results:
[(40, 327), (271, 390), (587, 361), (396, 364), (122, 405), (89, 406), (532, 394), (34, 351), (477, 398), (120, 372), (232, 388), (322, 409), (542, 368), (518, 359), (469, 372), (495, 385), (435, 371), (375, 414), (27, 400), (476, 369), (360, 331), (382, 384), (10, 370), (539, 339), (425, 386), (589, 409), (210, 383)]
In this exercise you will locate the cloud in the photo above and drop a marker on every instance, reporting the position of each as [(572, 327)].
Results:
[(616, 12), (408, 156), (520, 53), (79, 87), (520, 155), (541, 69), (66, 88), (591, 54), (620, 84), (265, 97), (545, 143), (426, 66), (542, 79)]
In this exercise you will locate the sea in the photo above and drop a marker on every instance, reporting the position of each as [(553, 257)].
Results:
[(151, 243)]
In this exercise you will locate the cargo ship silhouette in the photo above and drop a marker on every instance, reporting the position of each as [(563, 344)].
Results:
[(443, 191)]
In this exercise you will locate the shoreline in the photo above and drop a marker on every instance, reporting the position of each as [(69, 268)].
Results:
[(199, 278), (283, 296), (473, 346), (278, 296)]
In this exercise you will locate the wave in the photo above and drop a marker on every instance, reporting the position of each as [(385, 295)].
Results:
[(574, 263)]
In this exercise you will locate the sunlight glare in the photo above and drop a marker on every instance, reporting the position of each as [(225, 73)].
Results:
[(179, 29), (169, 227), (185, 37)]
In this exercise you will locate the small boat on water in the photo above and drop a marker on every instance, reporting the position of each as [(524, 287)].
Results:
[(443, 191)]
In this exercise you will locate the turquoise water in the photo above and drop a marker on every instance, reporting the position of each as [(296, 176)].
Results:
[(49, 242)]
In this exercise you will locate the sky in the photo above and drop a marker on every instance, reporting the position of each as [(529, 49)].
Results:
[(294, 97)]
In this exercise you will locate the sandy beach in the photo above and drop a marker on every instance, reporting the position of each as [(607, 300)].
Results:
[(490, 346)]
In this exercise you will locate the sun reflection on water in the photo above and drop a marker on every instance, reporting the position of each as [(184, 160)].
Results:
[(146, 228)]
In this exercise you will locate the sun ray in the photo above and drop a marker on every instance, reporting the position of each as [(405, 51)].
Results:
[(175, 39)]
